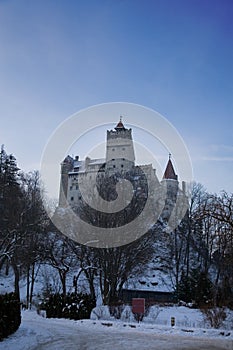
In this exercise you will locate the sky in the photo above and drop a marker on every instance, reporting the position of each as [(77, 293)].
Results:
[(175, 57)]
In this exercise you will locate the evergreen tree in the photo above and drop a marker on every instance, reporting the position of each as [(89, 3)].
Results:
[(10, 212), (196, 287), (9, 191), (183, 290)]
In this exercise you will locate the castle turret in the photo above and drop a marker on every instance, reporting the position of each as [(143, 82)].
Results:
[(171, 188), (170, 179), (169, 173)]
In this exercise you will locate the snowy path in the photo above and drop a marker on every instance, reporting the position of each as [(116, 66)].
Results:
[(37, 333)]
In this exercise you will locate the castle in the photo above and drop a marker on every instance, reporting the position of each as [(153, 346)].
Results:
[(119, 158)]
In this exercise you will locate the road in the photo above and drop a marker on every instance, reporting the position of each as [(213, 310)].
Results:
[(37, 333)]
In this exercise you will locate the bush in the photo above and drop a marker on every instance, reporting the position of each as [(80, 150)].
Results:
[(153, 313), (73, 306), (116, 310), (214, 317), (127, 315), (10, 316), (100, 313)]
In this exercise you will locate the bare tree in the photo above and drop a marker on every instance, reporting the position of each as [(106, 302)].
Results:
[(117, 264), (220, 209), (59, 255), (33, 224)]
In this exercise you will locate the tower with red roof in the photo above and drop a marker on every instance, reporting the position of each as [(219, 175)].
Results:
[(119, 149)]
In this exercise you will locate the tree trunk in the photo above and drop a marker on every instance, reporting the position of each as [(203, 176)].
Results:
[(7, 267), (90, 275), (62, 275), (75, 284), (188, 249), (16, 272), (92, 290), (28, 286), (104, 288), (32, 285)]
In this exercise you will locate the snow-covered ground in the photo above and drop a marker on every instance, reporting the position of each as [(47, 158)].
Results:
[(37, 333)]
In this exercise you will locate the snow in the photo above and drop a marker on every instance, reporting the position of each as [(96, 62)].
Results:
[(103, 332), (100, 312), (37, 333), (184, 317), (156, 275)]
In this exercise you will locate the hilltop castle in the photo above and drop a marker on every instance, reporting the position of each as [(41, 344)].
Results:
[(119, 158)]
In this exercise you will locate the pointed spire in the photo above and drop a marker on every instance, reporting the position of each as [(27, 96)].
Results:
[(120, 125), (169, 173)]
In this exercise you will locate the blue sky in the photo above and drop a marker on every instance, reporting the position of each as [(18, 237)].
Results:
[(176, 57)]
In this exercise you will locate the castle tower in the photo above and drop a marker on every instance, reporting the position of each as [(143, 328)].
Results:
[(66, 166), (119, 150), (170, 181)]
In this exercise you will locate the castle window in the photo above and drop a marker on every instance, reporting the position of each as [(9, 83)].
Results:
[(114, 166), (113, 149), (76, 187), (113, 158), (122, 165), (71, 188), (71, 198), (123, 149)]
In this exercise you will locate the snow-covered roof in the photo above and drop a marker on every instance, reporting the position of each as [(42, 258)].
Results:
[(97, 161)]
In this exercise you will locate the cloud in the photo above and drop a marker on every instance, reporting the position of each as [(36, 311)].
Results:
[(221, 148), (212, 153), (217, 159)]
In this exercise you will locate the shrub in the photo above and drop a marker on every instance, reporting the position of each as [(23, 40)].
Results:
[(214, 317), (10, 316), (116, 310), (153, 313), (73, 306), (127, 314), (100, 313)]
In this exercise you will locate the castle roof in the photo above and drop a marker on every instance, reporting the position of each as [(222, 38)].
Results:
[(169, 171), (120, 125)]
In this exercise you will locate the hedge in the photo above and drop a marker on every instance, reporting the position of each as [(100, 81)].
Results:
[(10, 316), (73, 306)]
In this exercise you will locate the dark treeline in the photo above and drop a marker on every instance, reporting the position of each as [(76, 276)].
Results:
[(198, 254)]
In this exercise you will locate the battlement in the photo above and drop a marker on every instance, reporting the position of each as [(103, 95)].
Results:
[(122, 133)]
